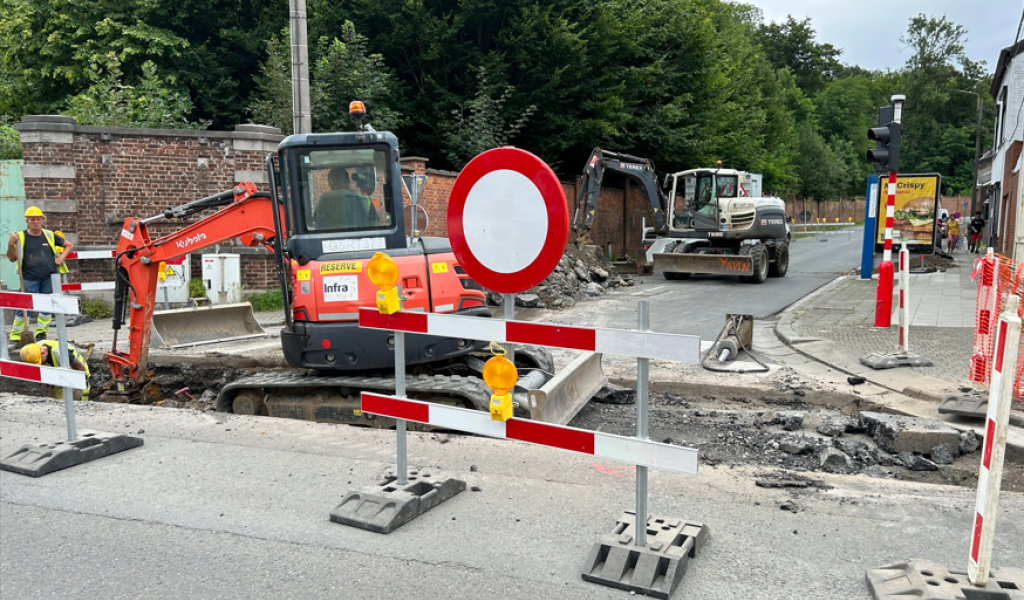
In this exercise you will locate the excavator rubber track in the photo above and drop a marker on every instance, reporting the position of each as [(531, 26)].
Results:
[(335, 398)]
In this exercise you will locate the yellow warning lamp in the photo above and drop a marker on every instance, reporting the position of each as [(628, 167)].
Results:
[(357, 110), (383, 272), (161, 271), (500, 375)]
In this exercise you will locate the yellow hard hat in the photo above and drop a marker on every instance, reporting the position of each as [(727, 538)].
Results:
[(30, 354), (33, 211)]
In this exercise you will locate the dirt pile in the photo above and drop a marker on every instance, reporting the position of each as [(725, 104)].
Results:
[(580, 275)]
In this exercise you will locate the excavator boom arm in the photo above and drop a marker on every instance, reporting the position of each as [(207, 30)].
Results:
[(639, 169), (248, 215)]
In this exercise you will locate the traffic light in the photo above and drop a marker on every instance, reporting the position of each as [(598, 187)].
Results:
[(886, 136)]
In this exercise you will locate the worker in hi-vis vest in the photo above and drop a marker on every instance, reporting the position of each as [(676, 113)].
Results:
[(46, 352), (40, 253)]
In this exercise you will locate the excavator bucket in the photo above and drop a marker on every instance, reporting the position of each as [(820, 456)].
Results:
[(710, 264), (568, 391), (204, 325)]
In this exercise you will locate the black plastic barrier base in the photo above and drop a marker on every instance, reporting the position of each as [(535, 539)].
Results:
[(36, 460), (969, 404), (388, 505), (892, 361), (929, 580), (654, 569)]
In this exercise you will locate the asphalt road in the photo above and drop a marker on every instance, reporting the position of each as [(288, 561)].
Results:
[(226, 506), (698, 306)]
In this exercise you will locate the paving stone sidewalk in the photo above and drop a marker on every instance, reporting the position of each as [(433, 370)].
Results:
[(942, 319)]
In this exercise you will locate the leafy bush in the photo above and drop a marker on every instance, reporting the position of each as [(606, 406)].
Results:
[(272, 300), (97, 309), (196, 289), (10, 143)]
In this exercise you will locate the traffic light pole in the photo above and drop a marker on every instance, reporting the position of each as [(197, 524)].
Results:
[(883, 301), (886, 156)]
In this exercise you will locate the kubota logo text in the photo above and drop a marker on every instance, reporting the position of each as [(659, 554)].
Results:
[(190, 241)]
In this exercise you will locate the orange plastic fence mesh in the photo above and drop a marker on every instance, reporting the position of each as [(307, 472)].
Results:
[(997, 277)]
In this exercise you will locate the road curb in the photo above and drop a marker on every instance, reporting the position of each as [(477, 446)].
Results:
[(786, 333), (784, 329)]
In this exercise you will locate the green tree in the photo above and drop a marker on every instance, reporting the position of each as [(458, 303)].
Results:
[(341, 70), (155, 102), (792, 45), (939, 125), (480, 124), (50, 50)]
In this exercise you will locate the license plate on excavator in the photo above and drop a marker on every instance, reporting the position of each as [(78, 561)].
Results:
[(710, 264)]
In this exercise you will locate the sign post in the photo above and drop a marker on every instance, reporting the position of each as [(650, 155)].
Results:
[(867, 253)]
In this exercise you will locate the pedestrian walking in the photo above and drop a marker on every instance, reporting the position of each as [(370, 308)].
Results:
[(45, 353), (954, 231), (976, 226), (39, 253)]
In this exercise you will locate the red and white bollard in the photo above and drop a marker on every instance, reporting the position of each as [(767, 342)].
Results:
[(904, 299), (883, 301), (984, 327), (997, 424)]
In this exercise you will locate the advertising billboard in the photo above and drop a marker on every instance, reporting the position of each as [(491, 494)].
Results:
[(917, 203)]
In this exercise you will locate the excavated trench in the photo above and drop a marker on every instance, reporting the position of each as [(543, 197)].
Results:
[(775, 428)]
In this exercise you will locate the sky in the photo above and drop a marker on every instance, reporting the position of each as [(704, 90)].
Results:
[(868, 31)]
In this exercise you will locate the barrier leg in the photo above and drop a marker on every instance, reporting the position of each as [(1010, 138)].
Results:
[(904, 300), (3, 342), (404, 495), (919, 578), (400, 425), (642, 383), (646, 566), (62, 337)]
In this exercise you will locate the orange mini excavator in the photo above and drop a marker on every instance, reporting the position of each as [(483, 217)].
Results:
[(335, 199)]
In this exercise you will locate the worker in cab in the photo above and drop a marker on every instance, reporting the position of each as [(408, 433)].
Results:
[(45, 353), (39, 253), (344, 206)]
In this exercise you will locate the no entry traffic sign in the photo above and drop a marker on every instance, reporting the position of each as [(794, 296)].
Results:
[(508, 220)]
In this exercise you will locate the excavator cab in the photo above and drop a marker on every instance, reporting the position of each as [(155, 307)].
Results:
[(343, 201), (342, 193)]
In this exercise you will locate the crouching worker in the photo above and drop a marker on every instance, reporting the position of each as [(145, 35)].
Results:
[(45, 353)]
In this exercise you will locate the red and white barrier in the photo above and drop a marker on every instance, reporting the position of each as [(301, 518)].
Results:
[(997, 424), (639, 344), (104, 286), (985, 320), (90, 254), (50, 375), (642, 453), (44, 303), (904, 318)]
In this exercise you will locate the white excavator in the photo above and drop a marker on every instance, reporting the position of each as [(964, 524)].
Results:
[(711, 221)]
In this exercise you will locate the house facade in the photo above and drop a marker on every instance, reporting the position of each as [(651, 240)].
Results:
[(999, 168)]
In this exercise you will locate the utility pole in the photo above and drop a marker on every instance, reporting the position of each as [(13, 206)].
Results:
[(302, 121), (977, 149)]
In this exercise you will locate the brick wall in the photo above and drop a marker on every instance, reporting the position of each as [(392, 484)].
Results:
[(1008, 202), (89, 179)]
